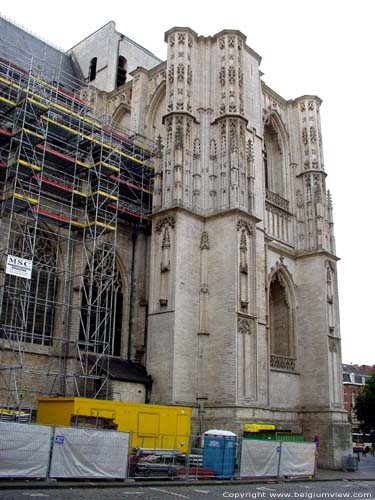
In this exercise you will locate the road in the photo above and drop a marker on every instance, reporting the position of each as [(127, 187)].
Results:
[(200, 491)]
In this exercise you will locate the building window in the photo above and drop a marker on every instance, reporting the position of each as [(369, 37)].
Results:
[(28, 305), (273, 161), (92, 69), (281, 317), (102, 307), (121, 71)]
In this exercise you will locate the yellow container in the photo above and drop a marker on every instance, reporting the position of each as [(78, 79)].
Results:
[(259, 427), (151, 426)]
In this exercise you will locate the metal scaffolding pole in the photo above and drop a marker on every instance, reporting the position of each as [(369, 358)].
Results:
[(67, 181)]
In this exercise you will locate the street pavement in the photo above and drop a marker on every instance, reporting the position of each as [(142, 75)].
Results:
[(358, 484)]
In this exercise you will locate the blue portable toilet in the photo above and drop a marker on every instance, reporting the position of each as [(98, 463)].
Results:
[(219, 452)]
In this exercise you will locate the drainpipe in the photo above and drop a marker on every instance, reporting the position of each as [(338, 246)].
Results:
[(131, 298)]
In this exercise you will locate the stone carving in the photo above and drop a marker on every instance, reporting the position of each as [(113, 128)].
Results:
[(180, 98), (231, 75), (250, 150), (213, 152), (283, 362), (170, 220), (302, 106), (197, 148), (277, 200), (179, 138), (304, 136), (181, 38), (171, 74), (240, 78), (244, 326), (244, 225), (299, 198), (222, 76), (332, 343), (278, 211), (312, 135), (165, 264), (165, 267), (204, 241), (180, 72)]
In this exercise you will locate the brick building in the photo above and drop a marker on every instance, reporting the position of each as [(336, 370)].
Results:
[(354, 380)]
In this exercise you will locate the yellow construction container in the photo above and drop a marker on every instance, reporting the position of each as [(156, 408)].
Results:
[(151, 426), (259, 427)]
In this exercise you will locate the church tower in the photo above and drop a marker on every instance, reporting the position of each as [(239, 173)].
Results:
[(243, 311)]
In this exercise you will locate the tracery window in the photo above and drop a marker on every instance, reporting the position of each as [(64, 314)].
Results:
[(102, 307), (28, 305), (281, 318), (273, 161)]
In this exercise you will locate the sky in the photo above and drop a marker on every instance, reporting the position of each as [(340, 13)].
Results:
[(320, 47)]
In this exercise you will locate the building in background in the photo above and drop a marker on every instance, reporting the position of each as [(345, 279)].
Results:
[(175, 229), (354, 380)]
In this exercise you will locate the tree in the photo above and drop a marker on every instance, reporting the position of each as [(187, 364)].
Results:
[(364, 406)]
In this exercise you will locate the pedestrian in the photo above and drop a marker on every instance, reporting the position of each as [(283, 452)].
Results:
[(316, 442), (373, 449)]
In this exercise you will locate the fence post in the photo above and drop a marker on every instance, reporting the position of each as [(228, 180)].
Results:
[(238, 457), (52, 441)]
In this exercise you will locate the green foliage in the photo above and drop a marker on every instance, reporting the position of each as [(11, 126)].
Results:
[(364, 406)]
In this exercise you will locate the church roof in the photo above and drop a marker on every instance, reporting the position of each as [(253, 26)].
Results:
[(23, 49), (125, 370)]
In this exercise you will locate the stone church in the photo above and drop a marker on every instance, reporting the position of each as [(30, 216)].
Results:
[(224, 297)]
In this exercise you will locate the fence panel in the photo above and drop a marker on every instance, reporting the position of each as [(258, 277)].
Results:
[(259, 458), (24, 450), (89, 453), (297, 459)]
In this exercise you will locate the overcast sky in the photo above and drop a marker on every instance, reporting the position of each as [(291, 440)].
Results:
[(322, 47)]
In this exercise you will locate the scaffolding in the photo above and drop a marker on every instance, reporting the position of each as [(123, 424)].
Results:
[(68, 180)]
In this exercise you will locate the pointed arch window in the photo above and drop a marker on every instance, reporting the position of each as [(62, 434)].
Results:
[(281, 318), (121, 71), (28, 306), (102, 307), (273, 161)]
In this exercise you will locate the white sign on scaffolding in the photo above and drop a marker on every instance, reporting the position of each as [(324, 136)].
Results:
[(17, 266)]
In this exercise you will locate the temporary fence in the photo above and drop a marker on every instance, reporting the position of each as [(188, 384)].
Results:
[(89, 453), (220, 457), (41, 451), (276, 458), (24, 450)]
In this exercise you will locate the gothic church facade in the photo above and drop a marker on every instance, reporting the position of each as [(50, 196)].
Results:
[(235, 285)]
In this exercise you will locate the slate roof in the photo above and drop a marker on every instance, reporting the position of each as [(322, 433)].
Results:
[(364, 370), (121, 369), (23, 49), (356, 374)]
